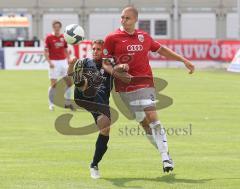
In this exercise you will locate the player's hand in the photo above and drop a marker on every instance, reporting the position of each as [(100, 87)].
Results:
[(121, 68), (51, 65), (189, 66), (123, 76)]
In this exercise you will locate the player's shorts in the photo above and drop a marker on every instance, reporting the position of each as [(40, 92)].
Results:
[(137, 101), (59, 70), (98, 105)]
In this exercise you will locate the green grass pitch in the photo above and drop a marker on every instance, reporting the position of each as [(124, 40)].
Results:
[(34, 155)]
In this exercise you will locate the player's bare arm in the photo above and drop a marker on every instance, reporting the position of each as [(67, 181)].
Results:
[(119, 71), (46, 54), (67, 54), (71, 66), (168, 53)]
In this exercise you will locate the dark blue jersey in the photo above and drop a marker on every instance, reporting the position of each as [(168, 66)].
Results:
[(101, 83), (100, 79)]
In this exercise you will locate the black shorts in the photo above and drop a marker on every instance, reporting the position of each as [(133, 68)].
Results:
[(97, 105)]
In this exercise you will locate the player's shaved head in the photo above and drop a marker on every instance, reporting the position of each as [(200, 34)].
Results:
[(132, 9)]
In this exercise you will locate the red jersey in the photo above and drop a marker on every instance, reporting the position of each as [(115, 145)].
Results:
[(56, 46), (132, 50)]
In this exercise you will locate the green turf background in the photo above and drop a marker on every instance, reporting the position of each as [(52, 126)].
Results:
[(34, 155)]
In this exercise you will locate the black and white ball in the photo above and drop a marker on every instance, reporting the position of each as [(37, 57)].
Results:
[(73, 34)]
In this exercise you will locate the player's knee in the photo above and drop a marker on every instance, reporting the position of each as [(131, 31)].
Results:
[(53, 86), (53, 83), (103, 120), (103, 124), (151, 114), (105, 131)]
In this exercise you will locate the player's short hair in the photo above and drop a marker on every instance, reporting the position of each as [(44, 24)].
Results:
[(56, 22), (98, 41), (133, 9)]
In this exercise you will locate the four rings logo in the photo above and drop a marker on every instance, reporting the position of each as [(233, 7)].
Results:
[(134, 48)]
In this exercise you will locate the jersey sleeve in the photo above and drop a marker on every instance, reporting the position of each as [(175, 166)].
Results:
[(47, 43), (154, 45), (108, 47)]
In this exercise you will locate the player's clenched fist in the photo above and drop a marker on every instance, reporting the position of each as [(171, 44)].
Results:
[(189, 66), (120, 72), (121, 68)]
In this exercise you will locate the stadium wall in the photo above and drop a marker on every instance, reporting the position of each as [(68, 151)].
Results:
[(217, 17)]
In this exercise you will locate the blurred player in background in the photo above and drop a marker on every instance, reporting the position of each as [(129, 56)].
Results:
[(129, 47), (57, 56), (92, 91)]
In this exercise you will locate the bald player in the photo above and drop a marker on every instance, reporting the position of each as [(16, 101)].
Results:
[(130, 47)]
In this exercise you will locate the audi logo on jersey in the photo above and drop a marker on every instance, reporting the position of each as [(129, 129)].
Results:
[(134, 48)]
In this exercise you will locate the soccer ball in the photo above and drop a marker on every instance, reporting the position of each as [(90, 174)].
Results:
[(73, 34)]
